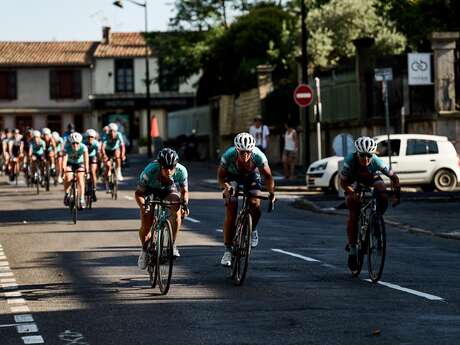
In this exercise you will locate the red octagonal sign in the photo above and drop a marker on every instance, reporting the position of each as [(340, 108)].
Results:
[(303, 95)]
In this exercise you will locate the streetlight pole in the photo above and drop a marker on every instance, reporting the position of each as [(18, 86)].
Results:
[(304, 68), (147, 71)]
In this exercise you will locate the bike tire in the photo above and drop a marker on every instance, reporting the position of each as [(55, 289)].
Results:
[(152, 263), (165, 257), (47, 178), (243, 250), (37, 184), (74, 203), (360, 252), (376, 247)]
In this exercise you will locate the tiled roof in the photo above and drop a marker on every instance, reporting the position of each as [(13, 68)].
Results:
[(46, 53), (123, 44)]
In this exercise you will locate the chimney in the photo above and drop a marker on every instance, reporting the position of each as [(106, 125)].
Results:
[(106, 35)]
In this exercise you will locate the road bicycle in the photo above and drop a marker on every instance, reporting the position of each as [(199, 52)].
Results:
[(159, 256), (371, 235), (241, 246), (73, 198), (113, 180), (37, 179)]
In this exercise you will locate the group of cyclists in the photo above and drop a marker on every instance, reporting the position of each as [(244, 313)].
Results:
[(241, 166), (72, 153)]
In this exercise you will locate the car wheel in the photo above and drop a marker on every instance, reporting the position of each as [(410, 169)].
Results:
[(445, 180), (334, 184)]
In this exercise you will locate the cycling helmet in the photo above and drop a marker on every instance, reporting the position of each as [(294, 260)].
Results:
[(36, 134), (113, 127), (168, 158), (365, 145), (91, 133), (245, 142), (75, 137), (56, 136), (46, 131)]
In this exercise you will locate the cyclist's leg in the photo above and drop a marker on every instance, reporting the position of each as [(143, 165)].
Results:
[(253, 186), (93, 167), (144, 230), (59, 166), (231, 207), (352, 222), (68, 175), (81, 184), (108, 167), (380, 192), (175, 217)]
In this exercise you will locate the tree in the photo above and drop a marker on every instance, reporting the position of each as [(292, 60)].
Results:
[(334, 25)]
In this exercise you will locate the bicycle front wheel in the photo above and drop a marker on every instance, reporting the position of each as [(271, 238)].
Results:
[(376, 247), (165, 257), (242, 249), (152, 263)]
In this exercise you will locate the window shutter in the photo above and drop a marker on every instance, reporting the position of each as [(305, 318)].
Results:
[(77, 84), (53, 85), (12, 85)]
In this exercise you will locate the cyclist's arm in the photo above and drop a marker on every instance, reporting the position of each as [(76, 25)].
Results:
[(269, 182), (86, 160), (30, 151), (10, 148), (103, 150), (221, 176), (64, 161), (123, 150), (21, 148)]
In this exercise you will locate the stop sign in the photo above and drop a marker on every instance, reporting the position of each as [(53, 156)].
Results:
[(303, 95)]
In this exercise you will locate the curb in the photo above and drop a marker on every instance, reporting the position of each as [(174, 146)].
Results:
[(311, 206)]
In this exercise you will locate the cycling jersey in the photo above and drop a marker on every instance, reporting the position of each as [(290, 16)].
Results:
[(59, 144), (93, 148), (354, 171), (38, 149), (16, 146), (150, 177), (49, 147), (113, 144), (75, 157), (229, 161)]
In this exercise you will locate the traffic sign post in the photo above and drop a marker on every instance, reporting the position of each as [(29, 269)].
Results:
[(303, 95)]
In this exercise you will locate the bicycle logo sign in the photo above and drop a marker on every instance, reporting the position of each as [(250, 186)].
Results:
[(419, 65), (419, 68)]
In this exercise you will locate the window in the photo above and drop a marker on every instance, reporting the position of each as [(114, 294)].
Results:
[(124, 75), (421, 147), (8, 85), (382, 148), (54, 122), (65, 84)]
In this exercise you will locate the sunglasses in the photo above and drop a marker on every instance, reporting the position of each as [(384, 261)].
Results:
[(241, 152), (75, 143), (364, 155)]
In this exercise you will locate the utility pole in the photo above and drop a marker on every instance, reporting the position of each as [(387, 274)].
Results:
[(304, 69)]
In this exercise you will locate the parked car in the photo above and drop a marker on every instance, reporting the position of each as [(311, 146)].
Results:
[(429, 161)]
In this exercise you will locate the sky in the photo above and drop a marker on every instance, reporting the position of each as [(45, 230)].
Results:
[(60, 20)]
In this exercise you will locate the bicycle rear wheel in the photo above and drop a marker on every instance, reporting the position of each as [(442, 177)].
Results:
[(165, 257), (242, 250), (152, 263), (74, 202), (47, 177), (376, 247)]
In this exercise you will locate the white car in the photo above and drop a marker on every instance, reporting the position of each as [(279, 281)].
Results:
[(429, 161)]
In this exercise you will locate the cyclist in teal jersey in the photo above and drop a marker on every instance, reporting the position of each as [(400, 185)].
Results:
[(364, 167), (37, 151), (59, 153), (241, 165), (93, 154), (75, 161), (166, 179), (113, 148)]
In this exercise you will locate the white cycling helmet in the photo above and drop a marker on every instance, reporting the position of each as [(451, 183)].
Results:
[(244, 142), (36, 134), (75, 137), (91, 133), (365, 145), (46, 131), (56, 136), (113, 127)]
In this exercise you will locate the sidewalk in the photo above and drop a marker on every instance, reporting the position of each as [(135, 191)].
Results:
[(433, 214)]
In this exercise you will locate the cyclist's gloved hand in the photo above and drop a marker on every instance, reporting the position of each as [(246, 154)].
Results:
[(185, 210)]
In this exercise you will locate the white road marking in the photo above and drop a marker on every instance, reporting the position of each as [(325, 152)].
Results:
[(9, 286), (27, 328), (16, 301), (413, 292), (193, 220), (4, 263), (2, 257), (6, 274), (21, 309), (8, 325), (129, 197), (34, 339), (13, 294), (4, 268), (219, 230), (8, 280), (23, 318), (306, 258)]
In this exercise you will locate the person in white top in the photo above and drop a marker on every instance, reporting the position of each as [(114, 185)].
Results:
[(291, 147), (261, 133)]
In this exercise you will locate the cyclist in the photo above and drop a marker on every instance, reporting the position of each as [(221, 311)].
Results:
[(37, 152), (113, 147), (16, 152), (242, 164), (75, 161), (162, 179), (364, 166), (70, 130), (50, 149), (93, 153), (5, 152), (59, 153)]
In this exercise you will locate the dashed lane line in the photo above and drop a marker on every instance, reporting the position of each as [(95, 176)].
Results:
[(390, 285), (193, 220)]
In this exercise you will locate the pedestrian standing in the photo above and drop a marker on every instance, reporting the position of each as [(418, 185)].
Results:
[(261, 133), (291, 147)]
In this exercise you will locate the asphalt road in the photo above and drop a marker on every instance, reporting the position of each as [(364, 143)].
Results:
[(79, 284)]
